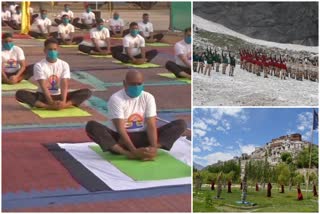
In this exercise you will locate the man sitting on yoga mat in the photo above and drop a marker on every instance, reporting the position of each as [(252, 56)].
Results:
[(88, 19), (66, 31), (52, 75), (133, 131), (133, 49), (13, 62), (116, 25), (43, 23), (182, 49), (66, 11), (146, 30), (100, 41)]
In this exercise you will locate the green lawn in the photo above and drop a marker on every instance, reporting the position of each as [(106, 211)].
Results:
[(204, 201)]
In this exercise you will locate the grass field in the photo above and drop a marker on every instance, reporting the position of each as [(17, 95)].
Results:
[(204, 201)]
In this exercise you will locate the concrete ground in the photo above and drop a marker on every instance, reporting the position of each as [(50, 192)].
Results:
[(33, 180)]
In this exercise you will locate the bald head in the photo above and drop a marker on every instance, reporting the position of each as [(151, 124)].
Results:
[(133, 77)]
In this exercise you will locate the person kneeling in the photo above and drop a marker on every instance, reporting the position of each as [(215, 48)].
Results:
[(133, 131), (182, 65), (52, 75), (133, 49)]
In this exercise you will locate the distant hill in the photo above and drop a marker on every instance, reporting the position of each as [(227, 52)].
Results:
[(197, 166)]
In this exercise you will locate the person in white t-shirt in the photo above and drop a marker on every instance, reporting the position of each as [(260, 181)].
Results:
[(116, 25), (43, 24), (52, 75), (100, 41), (15, 22), (12, 7), (133, 49), (66, 11), (66, 31), (133, 131), (182, 50), (5, 15), (88, 19), (146, 30), (13, 66)]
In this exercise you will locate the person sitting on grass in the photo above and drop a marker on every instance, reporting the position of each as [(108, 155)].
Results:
[(146, 30), (66, 31), (52, 75), (182, 65), (43, 23), (133, 49), (100, 41), (133, 131), (14, 67)]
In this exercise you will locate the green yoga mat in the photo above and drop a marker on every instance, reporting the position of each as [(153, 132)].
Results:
[(69, 46), (163, 167), (68, 112), (24, 84), (145, 65), (96, 56), (158, 44), (172, 76)]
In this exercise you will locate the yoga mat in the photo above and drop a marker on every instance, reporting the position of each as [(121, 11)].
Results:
[(41, 40), (24, 84), (118, 38), (158, 44), (172, 76), (21, 36), (145, 65), (163, 167), (96, 56), (69, 46), (68, 112)]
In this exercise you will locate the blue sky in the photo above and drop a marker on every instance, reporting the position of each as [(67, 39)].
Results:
[(221, 133)]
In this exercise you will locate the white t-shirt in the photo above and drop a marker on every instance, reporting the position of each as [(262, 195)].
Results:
[(44, 23), (117, 24), (5, 16), (100, 36), (10, 59), (53, 73), (69, 13), (88, 17), (65, 30), (132, 110), (182, 48), (146, 29), (12, 8), (16, 17), (136, 43)]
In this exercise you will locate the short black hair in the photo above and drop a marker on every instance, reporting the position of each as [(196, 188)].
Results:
[(50, 41), (43, 10), (133, 24), (99, 21), (145, 14), (6, 35), (187, 30), (65, 15)]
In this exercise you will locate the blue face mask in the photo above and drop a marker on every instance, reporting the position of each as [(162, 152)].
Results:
[(134, 32), (8, 46), (65, 21), (116, 17), (89, 10), (44, 16), (66, 9), (100, 27), (134, 90), (188, 39), (18, 12), (53, 55)]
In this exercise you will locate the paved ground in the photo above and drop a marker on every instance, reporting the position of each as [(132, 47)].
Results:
[(32, 180)]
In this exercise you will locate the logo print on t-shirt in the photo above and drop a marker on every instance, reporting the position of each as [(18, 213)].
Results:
[(117, 27), (147, 29), (135, 121), (136, 45), (11, 63), (53, 81)]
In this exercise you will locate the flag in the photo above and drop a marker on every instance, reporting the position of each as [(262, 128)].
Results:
[(315, 120), (25, 18)]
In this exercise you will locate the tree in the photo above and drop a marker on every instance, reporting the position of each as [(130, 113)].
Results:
[(283, 173), (302, 159), (286, 157)]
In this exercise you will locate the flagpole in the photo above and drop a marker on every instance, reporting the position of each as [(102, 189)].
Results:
[(310, 152)]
